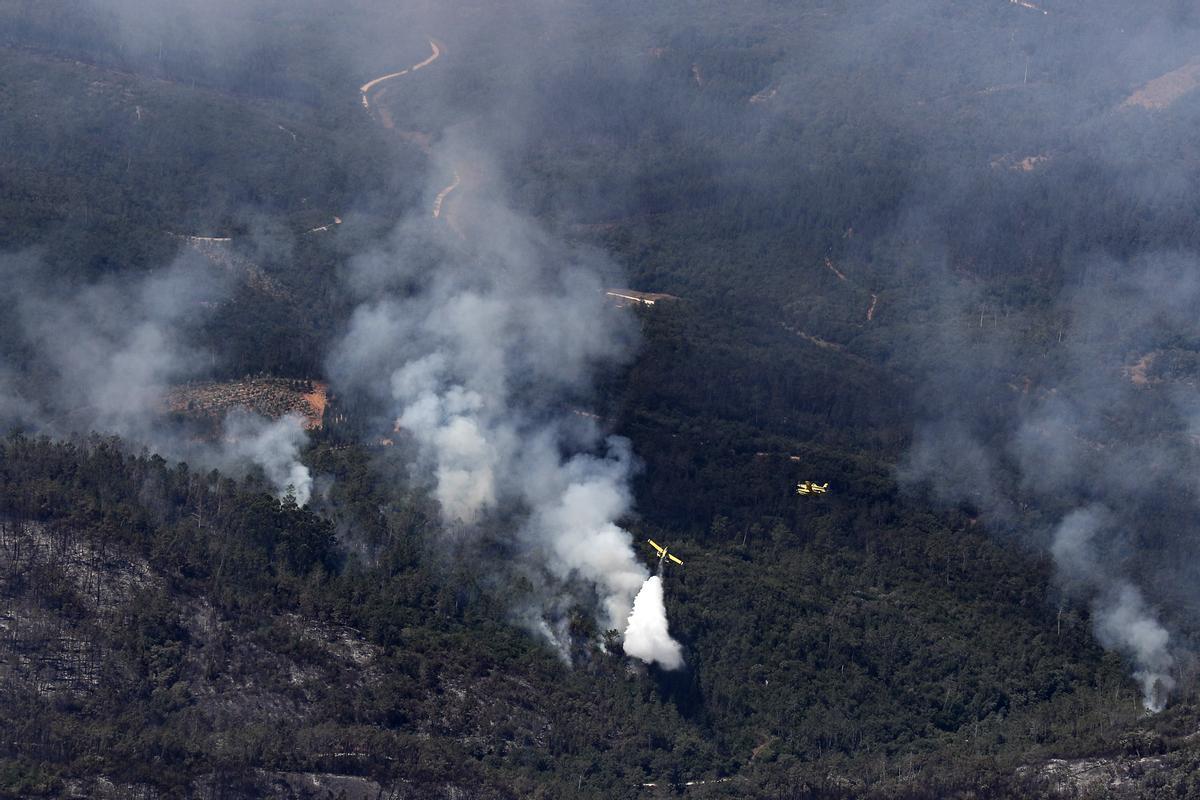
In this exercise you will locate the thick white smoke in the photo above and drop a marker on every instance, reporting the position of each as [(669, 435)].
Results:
[(479, 347), (463, 447), (275, 446), (575, 503), (647, 636)]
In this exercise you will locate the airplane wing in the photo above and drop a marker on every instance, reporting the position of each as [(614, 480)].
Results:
[(656, 546), (676, 560)]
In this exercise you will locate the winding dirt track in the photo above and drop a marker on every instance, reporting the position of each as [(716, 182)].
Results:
[(441, 196), (336, 221), (1030, 6), (365, 89), (841, 277), (388, 122)]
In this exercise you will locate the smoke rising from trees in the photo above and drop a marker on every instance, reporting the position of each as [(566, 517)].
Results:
[(101, 357), (1096, 435), (480, 349)]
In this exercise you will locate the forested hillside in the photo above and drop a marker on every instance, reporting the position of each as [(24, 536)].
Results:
[(941, 256)]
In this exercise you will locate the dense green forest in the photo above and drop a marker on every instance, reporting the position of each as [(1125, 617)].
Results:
[(871, 218), (163, 625)]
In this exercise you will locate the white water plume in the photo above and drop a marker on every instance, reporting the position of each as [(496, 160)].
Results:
[(647, 636)]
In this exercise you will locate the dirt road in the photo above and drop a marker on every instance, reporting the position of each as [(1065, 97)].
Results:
[(441, 196), (389, 123), (366, 88), (1030, 6)]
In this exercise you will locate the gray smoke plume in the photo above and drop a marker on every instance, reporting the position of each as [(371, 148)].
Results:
[(1124, 623), (1094, 432), (107, 351), (101, 357), (273, 445), (1122, 620), (479, 340)]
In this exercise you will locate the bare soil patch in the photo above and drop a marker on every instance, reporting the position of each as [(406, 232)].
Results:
[(271, 397), (1165, 89)]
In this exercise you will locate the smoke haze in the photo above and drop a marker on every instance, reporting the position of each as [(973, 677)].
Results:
[(480, 343), (101, 357), (940, 150), (1090, 433)]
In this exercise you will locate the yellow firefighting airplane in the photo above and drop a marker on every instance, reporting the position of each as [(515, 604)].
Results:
[(662, 552), (808, 487)]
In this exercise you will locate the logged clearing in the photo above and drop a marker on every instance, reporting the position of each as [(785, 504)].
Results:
[(271, 397), (1165, 89), (317, 399)]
